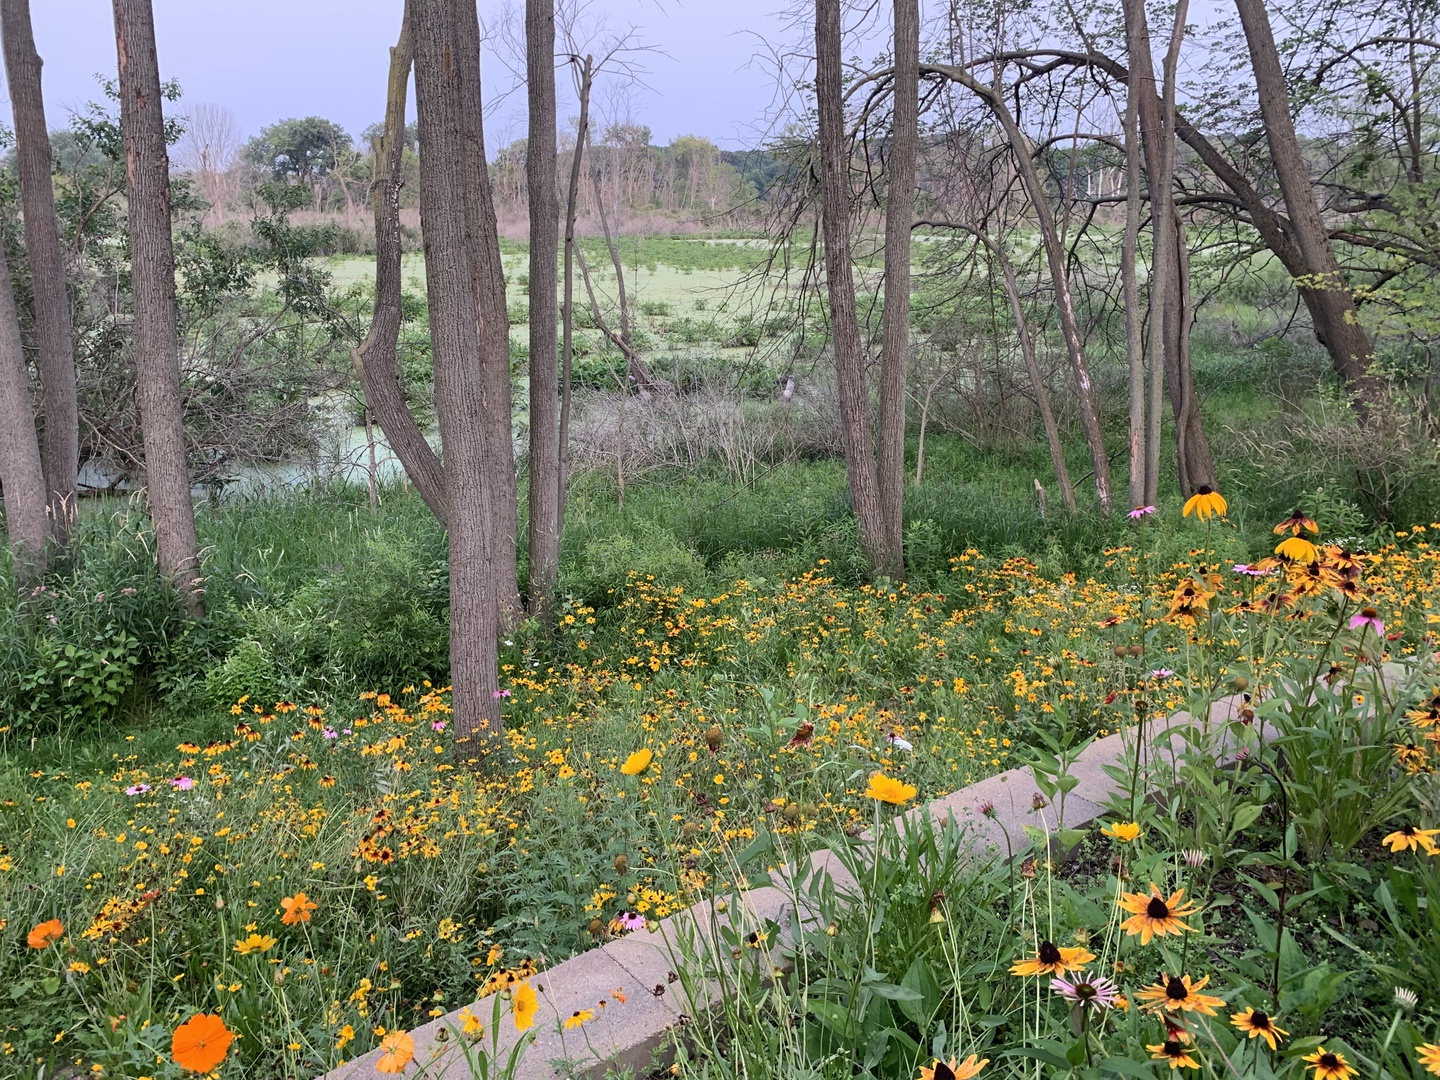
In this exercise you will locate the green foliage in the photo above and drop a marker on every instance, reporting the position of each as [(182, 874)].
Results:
[(304, 150)]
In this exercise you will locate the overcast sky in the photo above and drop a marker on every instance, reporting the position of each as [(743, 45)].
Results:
[(270, 59)]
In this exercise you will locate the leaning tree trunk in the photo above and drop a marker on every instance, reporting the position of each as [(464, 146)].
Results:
[(541, 179), (895, 342), (845, 338), (53, 331), (493, 327), (376, 358), (152, 275), (22, 475), (460, 400), (1134, 319), (584, 83), (1329, 301)]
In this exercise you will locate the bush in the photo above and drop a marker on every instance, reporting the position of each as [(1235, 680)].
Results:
[(602, 570)]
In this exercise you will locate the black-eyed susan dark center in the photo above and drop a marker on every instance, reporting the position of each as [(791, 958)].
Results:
[(1176, 990), (1157, 908), (1330, 1061), (1049, 954), (1259, 1020)]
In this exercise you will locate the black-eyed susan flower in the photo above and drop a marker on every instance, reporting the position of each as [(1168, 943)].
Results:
[(1155, 915), (579, 1018), (1049, 959), (1297, 523), (887, 789), (1205, 503), (1428, 1055), (1297, 549), (1178, 994), (1330, 1065), (1258, 1024), (1410, 838), (954, 1070), (1175, 1052)]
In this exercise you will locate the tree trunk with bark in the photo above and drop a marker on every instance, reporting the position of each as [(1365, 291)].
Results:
[(53, 330), (376, 358), (895, 342), (541, 181), (493, 328), (461, 404), (22, 475), (1322, 284), (855, 428), (1134, 319), (152, 273), (583, 83)]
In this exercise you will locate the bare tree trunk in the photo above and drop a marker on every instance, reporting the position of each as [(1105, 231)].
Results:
[(1134, 319), (493, 326), (635, 364), (1055, 259), (541, 181), (460, 399), (53, 331), (152, 272), (375, 359), (371, 466), (845, 338), (1329, 300), (895, 342), (22, 476), (567, 345)]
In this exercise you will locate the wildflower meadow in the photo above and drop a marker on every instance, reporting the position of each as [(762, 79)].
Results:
[(299, 883)]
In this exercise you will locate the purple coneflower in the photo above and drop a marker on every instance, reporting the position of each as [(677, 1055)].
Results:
[(898, 743), (182, 783), (1368, 616), (438, 725), (1141, 512), (1087, 991), (137, 789), (1161, 673), (329, 733), (1249, 571), (497, 694)]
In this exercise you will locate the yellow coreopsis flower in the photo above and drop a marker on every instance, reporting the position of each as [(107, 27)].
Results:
[(637, 762), (525, 1005), (255, 943), (1124, 831), (887, 789)]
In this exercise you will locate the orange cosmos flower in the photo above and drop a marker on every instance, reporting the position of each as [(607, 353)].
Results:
[(45, 933), (884, 788), (397, 1051), (200, 1044), (297, 909)]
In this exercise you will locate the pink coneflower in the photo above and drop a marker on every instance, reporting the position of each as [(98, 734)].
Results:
[(1087, 991), (628, 920), (137, 789), (1194, 858), (1161, 673), (1368, 616), (329, 733), (497, 694), (1249, 571), (898, 743), (182, 783), (438, 725), (1141, 512)]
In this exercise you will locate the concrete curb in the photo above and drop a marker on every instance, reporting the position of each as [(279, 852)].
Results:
[(644, 965)]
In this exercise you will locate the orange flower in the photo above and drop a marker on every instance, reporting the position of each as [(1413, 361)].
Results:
[(398, 1050), (1155, 915), (297, 909), (45, 933), (201, 1043)]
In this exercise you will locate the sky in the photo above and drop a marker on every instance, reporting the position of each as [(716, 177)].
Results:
[(270, 59)]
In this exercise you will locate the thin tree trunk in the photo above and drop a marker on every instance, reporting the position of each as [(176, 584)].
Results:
[(375, 358), (53, 331), (1134, 320), (855, 433), (567, 344), (895, 340), (1340, 329), (22, 475), (152, 273), (493, 325), (635, 364), (1055, 259), (541, 181), (371, 467), (460, 400)]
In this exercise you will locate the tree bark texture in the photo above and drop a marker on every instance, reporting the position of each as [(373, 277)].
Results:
[(152, 273), (855, 433), (541, 182), (22, 476), (493, 327), (895, 340), (1332, 306), (1134, 319), (460, 400), (375, 359), (54, 334)]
